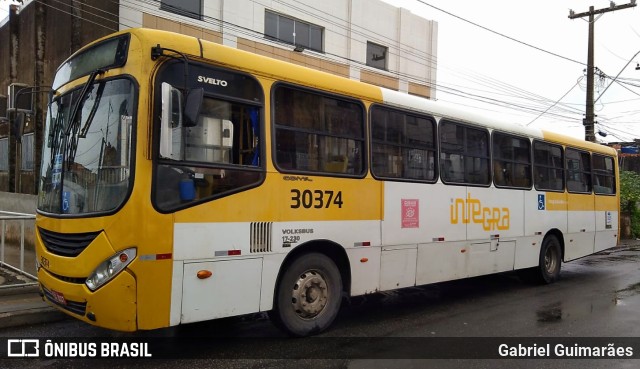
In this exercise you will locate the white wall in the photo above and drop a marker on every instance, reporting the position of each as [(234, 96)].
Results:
[(348, 25)]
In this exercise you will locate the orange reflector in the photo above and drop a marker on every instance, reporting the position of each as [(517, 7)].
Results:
[(364, 260), (204, 274)]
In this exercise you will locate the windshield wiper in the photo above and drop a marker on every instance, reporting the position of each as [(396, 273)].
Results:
[(74, 123), (83, 95), (92, 113)]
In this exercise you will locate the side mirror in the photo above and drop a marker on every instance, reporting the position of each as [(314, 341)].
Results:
[(192, 107)]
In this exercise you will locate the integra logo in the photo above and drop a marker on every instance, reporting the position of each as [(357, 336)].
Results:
[(212, 81)]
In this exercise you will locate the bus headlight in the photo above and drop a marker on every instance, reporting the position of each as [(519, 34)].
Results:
[(110, 268)]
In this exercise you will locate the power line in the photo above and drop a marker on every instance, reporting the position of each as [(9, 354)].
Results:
[(501, 34), (360, 65), (560, 99)]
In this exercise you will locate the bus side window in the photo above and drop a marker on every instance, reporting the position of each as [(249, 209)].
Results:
[(604, 181), (318, 133), (464, 154), (548, 166)]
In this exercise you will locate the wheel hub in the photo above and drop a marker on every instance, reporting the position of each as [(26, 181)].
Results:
[(309, 295)]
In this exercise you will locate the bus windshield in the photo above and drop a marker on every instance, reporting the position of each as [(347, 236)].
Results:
[(86, 160)]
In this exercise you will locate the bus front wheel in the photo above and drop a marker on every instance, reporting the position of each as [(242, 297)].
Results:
[(308, 295)]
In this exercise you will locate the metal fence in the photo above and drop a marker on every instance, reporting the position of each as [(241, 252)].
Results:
[(14, 225)]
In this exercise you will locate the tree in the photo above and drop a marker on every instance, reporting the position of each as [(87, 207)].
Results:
[(629, 198), (629, 190)]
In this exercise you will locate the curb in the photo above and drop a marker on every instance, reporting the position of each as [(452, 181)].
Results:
[(31, 316)]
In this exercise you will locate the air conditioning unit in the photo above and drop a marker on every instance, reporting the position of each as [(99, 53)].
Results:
[(20, 97)]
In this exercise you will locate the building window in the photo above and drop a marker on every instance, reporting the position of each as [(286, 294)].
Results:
[(318, 133), (377, 56), (578, 171), (292, 31), (27, 164), (188, 8), (403, 145), (511, 161), (4, 154), (464, 154)]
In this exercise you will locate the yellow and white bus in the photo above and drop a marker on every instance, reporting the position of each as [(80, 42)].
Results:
[(184, 181)]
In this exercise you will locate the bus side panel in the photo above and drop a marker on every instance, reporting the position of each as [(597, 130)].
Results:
[(495, 220), (543, 211), (607, 218), (493, 213), (176, 293), (419, 213), (233, 288), (537, 221), (442, 261), (581, 222), (365, 269)]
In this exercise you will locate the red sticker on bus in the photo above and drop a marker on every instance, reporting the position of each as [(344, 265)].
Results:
[(410, 213)]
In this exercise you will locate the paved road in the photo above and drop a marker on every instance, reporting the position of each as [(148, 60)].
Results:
[(598, 296)]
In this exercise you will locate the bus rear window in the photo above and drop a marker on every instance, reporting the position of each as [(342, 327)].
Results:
[(604, 179)]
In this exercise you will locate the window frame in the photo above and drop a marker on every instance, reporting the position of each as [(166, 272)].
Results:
[(183, 11), (581, 172), (441, 151), (373, 141), (370, 63), (549, 167), (595, 172), (275, 126), (279, 38), (512, 161), (172, 72)]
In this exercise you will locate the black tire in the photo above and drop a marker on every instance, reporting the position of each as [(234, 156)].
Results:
[(550, 260), (549, 263), (308, 296)]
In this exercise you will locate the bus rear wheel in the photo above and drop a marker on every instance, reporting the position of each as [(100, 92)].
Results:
[(308, 295), (549, 263), (550, 259)]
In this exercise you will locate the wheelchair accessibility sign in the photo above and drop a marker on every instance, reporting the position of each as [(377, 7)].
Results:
[(541, 202)]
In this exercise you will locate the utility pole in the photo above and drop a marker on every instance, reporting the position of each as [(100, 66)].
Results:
[(589, 120)]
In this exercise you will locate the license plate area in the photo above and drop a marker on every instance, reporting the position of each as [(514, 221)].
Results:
[(58, 297)]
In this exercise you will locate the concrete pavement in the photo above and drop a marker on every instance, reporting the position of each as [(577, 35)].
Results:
[(20, 302)]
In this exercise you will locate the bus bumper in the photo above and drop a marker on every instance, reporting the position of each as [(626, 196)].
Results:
[(112, 306)]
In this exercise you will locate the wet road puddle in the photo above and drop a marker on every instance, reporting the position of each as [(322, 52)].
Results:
[(550, 313), (625, 293)]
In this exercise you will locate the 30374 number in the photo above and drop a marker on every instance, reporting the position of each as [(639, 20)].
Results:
[(317, 199)]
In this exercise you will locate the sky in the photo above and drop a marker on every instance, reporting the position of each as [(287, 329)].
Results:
[(542, 87), (484, 71)]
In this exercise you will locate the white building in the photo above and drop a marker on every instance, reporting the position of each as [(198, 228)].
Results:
[(368, 40)]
